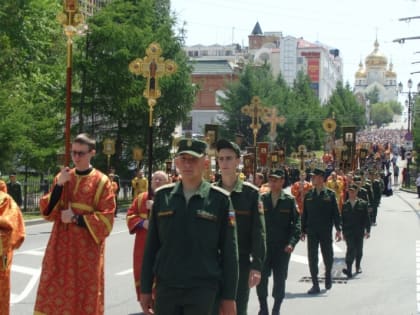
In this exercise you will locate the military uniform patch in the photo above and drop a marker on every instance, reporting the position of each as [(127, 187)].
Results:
[(232, 218)]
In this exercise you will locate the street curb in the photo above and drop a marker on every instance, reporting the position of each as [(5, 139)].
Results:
[(35, 221), (41, 220)]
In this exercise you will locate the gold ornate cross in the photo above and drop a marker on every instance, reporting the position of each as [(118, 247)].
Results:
[(255, 110), (152, 67), (302, 154), (274, 120)]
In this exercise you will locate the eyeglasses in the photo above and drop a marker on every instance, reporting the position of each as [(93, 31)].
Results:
[(79, 153)]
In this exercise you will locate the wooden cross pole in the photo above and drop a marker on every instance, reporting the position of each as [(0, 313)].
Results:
[(274, 120), (256, 111), (302, 154), (152, 67)]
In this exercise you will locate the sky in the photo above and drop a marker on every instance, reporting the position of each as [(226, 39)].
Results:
[(350, 26)]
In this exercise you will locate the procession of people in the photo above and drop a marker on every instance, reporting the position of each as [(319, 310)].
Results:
[(201, 245)]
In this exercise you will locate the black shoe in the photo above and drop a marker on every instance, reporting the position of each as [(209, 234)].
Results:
[(359, 270), (263, 312), (347, 273), (328, 282), (276, 307), (314, 290)]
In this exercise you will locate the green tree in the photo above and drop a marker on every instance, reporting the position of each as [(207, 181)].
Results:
[(345, 108), (381, 113), (31, 89), (114, 105)]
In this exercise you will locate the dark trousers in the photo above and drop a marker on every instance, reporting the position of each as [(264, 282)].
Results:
[(354, 251), (191, 301), (277, 260), (324, 240), (242, 293), (373, 213)]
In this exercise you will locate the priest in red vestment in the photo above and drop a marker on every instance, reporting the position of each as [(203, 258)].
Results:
[(81, 204), (12, 234), (138, 222)]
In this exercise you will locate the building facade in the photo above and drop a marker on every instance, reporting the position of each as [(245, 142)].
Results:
[(376, 75), (289, 55)]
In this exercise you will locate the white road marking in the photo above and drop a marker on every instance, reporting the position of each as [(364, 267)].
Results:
[(35, 273), (299, 259), (124, 272)]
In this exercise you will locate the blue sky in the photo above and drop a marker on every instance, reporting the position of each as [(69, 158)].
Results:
[(350, 26)]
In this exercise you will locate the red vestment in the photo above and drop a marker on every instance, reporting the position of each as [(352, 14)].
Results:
[(136, 215), (12, 234), (299, 190), (72, 279)]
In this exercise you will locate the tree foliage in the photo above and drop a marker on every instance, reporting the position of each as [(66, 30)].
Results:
[(118, 34), (345, 108), (299, 105)]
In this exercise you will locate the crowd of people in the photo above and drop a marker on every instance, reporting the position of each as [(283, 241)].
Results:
[(200, 246)]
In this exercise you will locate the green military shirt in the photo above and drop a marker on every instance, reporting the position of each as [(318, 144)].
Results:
[(282, 220), (355, 219), (191, 244), (320, 212), (250, 222), (377, 192)]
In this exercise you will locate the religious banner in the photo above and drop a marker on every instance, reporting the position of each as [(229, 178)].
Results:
[(248, 160), (274, 159), (262, 152), (211, 137)]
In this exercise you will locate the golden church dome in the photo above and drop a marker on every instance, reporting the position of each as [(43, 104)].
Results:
[(390, 73), (375, 58), (361, 73)]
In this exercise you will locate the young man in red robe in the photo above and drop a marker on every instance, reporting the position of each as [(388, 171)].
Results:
[(12, 234), (81, 204), (138, 223)]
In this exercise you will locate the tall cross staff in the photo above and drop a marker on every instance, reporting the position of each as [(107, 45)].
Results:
[(70, 18), (301, 154), (274, 120), (256, 111), (152, 67)]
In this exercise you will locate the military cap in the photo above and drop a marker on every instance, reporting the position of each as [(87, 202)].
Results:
[(353, 187), (318, 171), (357, 178), (193, 147), (277, 173), (224, 144)]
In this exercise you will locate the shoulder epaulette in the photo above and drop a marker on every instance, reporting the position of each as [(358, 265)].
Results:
[(167, 186), (248, 184), (220, 189)]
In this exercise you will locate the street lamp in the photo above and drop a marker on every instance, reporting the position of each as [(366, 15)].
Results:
[(410, 110)]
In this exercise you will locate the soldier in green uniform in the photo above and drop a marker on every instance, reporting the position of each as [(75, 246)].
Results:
[(356, 226), (191, 249), (249, 219), (377, 189), (320, 213), (283, 230)]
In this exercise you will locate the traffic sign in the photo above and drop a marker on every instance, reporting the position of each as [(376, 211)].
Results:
[(408, 136)]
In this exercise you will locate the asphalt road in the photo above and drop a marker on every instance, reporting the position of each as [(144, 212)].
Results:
[(389, 284)]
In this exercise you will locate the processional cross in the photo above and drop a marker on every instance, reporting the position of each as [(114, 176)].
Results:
[(274, 120), (256, 111), (152, 67), (302, 154)]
